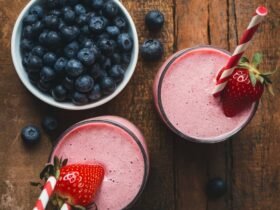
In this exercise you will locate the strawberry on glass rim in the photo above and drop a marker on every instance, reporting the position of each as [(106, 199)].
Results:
[(77, 184), (245, 86)]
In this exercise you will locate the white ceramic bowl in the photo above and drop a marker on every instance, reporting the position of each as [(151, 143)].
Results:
[(17, 60)]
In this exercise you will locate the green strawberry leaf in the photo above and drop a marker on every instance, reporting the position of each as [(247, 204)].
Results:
[(270, 89), (64, 162), (253, 78), (257, 59), (244, 60)]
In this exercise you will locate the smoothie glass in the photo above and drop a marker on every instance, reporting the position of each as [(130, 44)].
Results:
[(116, 144), (182, 95)]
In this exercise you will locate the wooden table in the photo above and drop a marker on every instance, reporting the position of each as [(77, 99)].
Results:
[(250, 162)]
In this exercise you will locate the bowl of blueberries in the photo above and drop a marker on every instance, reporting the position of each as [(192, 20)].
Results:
[(75, 54)]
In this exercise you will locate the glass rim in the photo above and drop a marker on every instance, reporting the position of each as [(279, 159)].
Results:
[(130, 133), (163, 114)]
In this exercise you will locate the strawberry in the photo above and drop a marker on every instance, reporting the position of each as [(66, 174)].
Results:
[(245, 86), (76, 185)]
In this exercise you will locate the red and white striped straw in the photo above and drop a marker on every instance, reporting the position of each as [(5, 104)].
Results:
[(225, 73), (45, 194), (66, 207)]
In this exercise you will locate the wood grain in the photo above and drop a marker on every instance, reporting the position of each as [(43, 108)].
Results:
[(250, 162)]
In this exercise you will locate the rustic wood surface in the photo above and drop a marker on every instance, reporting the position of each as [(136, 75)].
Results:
[(250, 162)]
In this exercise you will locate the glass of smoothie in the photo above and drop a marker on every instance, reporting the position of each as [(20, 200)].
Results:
[(183, 96), (116, 144)]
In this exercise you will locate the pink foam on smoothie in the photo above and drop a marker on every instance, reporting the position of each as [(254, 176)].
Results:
[(116, 150), (187, 100)]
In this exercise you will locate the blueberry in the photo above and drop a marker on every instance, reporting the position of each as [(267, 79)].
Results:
[(102, 36), (85, 30), (86, 56), (43, 37), (26, 45), (107, 85), (69, 16), (97, 4), (53, 39), (60, 65), (59, 93), (28, 32), (80, 9), (38, 27), (120, 22), (88, 44), (30, 19), (52, 4), (154, 20), (113, 31), (97, 24), (96, 51), (69, 33), (72, 2), (44, 86), (79, 98), (125, 42), (117, 73), (37, 10), (126, 57), (107, 46), (95, 93), (49, 123), (106, 65), (47, 74), (38, 50), (33, 77), (68, 83), (55, 12), (71, 50), (96, 72), (152, 50), (82, 19), (116, 58), (35, 62), (74, 68), (110, 9), (26, 59), (84, 83), (216, 187), (49, 59), (31, 134), (51, 21)]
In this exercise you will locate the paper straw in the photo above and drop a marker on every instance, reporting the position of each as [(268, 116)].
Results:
[(45, 194), (66, 207), (225, 73)]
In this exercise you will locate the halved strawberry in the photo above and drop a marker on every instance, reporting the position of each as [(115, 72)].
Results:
[(245, 86), (76, 185)]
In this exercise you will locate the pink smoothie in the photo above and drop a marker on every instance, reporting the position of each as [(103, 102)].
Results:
[(120, 147), (182, 93)]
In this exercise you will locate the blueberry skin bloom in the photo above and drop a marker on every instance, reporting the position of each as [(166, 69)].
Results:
[(152, 50), (31, 134)]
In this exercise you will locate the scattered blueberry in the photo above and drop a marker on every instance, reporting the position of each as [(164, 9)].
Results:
[(97, 24), (59, 93), (117, 73), (79, 98), (95, 94), (47, 74), (31, 134), (107, 85), (216, 187), (49, 59), (110, 9), (49, 123), (125, 42), (154, 20), (84, 84), (71, 50), (74, 68), (86, 56), (152, 50)]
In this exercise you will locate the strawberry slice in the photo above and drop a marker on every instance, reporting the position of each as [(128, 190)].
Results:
[(245, 86)]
